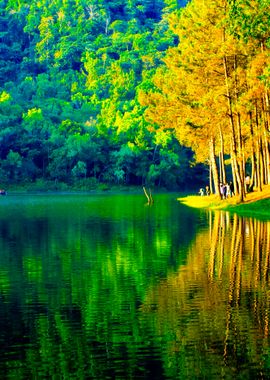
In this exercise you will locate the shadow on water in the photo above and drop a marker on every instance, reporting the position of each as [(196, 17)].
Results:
[(108, 288)]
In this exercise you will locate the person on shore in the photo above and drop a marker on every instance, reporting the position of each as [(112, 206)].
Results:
[(247, 183), (221, 187), (224, 191), (207, 190), (201, 192), (231, 187), (227, 190)]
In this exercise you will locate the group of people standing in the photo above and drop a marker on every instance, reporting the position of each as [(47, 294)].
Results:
[(205, 191), (226, 190)]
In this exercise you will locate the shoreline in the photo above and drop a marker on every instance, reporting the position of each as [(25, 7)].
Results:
[(256, 204)]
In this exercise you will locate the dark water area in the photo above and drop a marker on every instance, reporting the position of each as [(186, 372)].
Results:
[(106, 287)]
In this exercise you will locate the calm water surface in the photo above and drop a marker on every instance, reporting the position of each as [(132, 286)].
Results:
[(106, 287)]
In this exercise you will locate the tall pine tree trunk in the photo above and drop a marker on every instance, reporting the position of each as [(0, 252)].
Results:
[(258, 167), (213, 163), (210, 179), (265, 159), (222, 172), (240, 158), (254, 180)]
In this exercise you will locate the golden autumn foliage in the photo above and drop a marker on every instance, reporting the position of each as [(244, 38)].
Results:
[(212, 90)]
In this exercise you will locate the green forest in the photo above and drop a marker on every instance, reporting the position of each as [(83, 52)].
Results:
[(165, 93), (70, 75)]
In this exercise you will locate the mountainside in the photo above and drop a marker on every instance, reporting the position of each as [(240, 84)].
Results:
[(70, 74)]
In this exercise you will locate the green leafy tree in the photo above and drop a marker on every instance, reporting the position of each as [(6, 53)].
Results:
[(11, 166), (73, 74)]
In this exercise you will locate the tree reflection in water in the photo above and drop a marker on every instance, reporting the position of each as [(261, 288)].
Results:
[(213, 315)]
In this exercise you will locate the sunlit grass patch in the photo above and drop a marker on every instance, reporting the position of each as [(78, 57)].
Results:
[(198, 201), (256, 203), (211, 201)]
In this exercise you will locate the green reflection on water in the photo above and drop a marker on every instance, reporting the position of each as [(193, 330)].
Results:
[(104, 287)]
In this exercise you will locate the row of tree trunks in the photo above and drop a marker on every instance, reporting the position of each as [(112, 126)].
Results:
[(257, 158), (236, 139)]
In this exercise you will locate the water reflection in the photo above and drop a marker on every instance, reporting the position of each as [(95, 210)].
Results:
[(73, 275), (213, 314), (106, 288)]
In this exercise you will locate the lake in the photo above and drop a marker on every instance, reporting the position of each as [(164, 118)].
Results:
[(107, 287)]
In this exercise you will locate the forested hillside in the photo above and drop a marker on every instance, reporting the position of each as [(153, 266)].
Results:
[(135, 92), (214, 89), (71, 73)]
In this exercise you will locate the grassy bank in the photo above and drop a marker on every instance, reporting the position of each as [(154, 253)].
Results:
[(256, 204)]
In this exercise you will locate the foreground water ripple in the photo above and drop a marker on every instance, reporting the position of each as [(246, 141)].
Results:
[(106, 287)]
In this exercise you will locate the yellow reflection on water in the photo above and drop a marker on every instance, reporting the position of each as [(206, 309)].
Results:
[(214, 311)]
